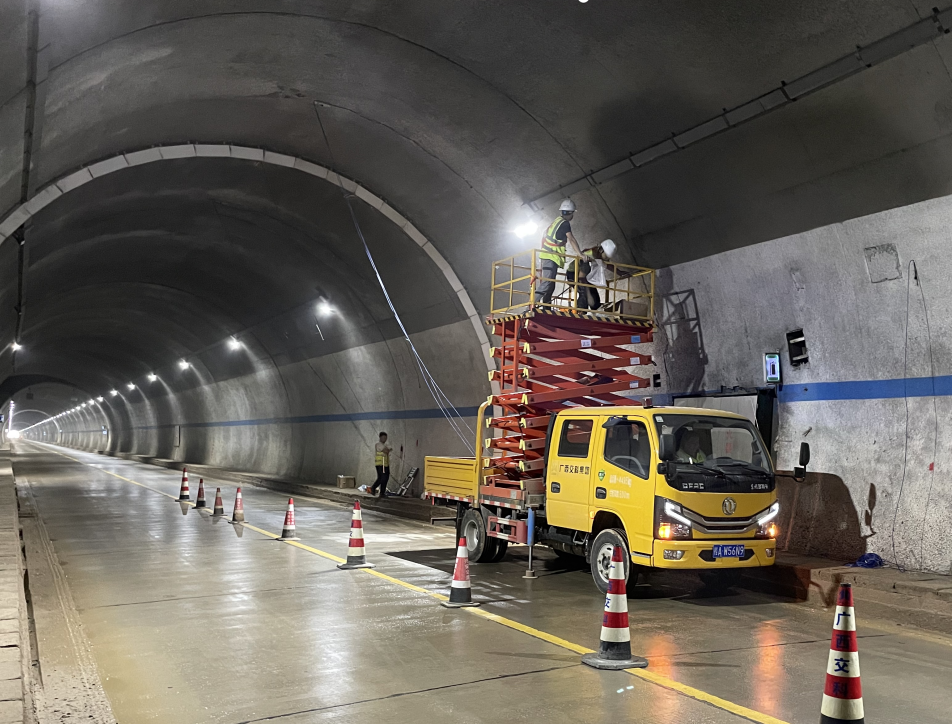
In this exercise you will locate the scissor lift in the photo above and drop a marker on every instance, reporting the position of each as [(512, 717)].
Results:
[(552, 357)]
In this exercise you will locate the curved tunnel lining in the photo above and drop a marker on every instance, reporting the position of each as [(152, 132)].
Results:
[(22, 213)]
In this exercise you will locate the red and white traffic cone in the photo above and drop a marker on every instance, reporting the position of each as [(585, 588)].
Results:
[(183, 492), (238, 515), (461, 593), (200, 502), (843, 694), (356, 558), (219, 511), (614, 647), (288, 532)]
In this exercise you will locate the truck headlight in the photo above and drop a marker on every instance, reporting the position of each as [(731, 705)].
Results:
[(670, 522), (766, 528)]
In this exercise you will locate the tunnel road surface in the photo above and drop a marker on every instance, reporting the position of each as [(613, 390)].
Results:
[(191, 619)]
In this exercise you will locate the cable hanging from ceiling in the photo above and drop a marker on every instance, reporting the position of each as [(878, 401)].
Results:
[(452, 415)]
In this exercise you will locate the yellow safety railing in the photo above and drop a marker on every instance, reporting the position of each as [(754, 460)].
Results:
[(518, 284)]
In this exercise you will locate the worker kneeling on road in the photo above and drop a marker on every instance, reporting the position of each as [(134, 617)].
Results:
[(382, 462), (552, 257)]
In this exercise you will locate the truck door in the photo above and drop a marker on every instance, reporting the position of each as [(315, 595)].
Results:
[(569, 474), (624, 481)]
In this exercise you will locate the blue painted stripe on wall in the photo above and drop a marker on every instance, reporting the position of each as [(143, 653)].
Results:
[(867, 389)]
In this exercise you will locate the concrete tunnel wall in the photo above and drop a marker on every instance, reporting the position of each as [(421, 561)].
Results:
[(873, 399)]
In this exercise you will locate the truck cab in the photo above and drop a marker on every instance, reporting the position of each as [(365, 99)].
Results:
[(677, 487)]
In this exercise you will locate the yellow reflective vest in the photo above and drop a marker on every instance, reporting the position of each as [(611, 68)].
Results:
[(381, 457), (552, 248)]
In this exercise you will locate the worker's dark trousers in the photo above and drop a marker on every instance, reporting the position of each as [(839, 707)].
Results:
[(545, 287), (383, 477), (587, 297)]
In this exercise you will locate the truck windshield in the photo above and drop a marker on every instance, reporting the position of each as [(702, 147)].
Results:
[(722, 445)]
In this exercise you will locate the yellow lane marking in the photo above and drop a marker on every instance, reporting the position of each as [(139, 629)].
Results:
[(644, 674)]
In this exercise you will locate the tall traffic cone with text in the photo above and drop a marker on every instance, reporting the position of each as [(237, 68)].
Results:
[(461, 593), (219, 511), (614, 647), (843, 693), (238, 514), (288, 532), (200, 502), (183, 492), (356, 558)]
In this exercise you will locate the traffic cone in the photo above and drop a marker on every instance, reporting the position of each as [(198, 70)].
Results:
[(183, 492), (288, 532), (614, 647), (238, 515), (200, 502), (219, 511), (460, 593), (843, 693), (355, 548)]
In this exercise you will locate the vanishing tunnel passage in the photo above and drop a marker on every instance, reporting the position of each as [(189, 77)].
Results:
[(563, 361)]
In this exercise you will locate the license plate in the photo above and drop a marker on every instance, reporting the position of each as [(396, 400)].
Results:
[(729, 551)]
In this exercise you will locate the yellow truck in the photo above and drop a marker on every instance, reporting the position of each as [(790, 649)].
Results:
[(675, 487)]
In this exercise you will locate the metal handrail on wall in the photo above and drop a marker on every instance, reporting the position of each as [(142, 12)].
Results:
[(628, 291)]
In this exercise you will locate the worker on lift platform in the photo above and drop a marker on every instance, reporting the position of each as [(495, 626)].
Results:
[(553, 251)]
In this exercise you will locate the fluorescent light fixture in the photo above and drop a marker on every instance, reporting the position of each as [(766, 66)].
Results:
[(113, 392), (131, 386), (16, 346), (183, 365), (233, 343), (100, 399), (523, 230), (324, 307), (13, 434), (153, 377)]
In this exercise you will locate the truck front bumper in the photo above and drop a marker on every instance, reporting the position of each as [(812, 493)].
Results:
[(698, 554)]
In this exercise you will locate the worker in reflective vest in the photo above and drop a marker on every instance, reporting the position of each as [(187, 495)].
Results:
[(552, 257), (382, 462)]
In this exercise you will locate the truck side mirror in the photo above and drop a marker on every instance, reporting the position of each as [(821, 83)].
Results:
[(666, 448), (800, 473)]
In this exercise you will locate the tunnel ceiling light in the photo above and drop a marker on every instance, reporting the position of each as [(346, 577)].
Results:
[(183, 365), (131, 386), (324, 308), (524, 230), (100, 399), (16, 346), (113, 392), (153, 377), (233, 343)]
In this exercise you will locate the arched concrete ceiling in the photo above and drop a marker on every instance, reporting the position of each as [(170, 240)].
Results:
[(456, 114)]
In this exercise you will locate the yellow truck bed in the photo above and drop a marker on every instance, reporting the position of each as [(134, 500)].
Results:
[(451, 478)]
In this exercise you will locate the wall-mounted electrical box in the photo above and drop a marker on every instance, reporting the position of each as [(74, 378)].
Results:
[(772, 368), (797, 347)]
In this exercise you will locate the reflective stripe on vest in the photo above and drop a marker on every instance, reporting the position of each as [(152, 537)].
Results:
[(381, 460), (552, 248)]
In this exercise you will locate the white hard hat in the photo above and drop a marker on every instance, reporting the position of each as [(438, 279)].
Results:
[(567, 205), (608, 246)]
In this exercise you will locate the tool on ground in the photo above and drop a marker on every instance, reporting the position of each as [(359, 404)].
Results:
[(843, 693), (356, 558), (238, 515), (219, 510), (200, 502), (407, 481), (288, 532), (614, 647), (183, 492), (460, 590), (530, 539)]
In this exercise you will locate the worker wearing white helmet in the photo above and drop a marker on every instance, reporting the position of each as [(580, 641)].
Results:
[(553, 251)]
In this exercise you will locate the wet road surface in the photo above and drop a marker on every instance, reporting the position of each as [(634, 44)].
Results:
[(188, 621)]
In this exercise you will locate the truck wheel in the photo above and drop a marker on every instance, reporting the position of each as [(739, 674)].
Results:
[(501, 548), (602, 547), (481, 547)]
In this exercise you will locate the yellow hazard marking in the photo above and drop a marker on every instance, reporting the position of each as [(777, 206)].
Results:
[(644, 674)]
